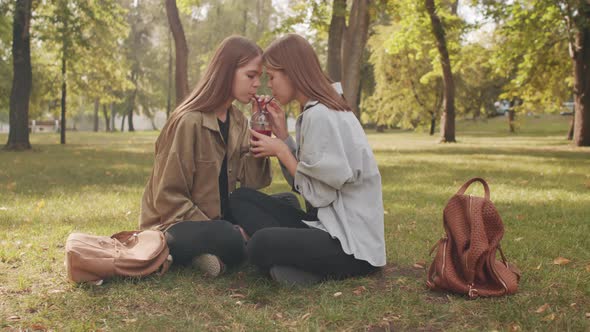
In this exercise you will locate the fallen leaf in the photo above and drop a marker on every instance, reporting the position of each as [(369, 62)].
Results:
[(542, 308), (128, 213), (237, 296), (3, 208), (549, 318), (518, 239), (306, 316), (588, 268), (239, 302), (573, 304), (561, 261), (538, 266), (56, 291), (337, 294), (41, 204), (279, 315), (515, 327), (385, 212), (359, 290), (519, 217), (13, 318), (38, 327), (588, 315), (129, 320), (418, 265)]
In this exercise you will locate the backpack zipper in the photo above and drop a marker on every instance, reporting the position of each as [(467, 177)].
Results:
[(445, 241), (470, 225), (493, 264)]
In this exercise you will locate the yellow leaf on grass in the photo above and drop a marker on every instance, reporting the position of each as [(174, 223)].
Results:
[(38, 327), (561, 261), (542, 308), (359, 290), (538, 266), (306, 316), (41, 204), (337, 294), (418, 265), (549, 318)]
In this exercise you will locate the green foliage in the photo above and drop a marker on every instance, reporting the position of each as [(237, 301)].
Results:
[(5, 59), (88, 35), (408, 75), (532, 51), (478, 84)]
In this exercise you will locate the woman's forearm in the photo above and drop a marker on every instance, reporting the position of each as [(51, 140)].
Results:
[(288, 160)]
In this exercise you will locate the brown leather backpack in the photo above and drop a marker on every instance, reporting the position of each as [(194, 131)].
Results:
[(91, 258), (465, 261)]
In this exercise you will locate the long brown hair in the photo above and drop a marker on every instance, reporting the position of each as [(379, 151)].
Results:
[(215, 87), (293, 55)]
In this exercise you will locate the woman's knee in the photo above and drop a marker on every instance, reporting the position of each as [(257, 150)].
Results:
[(260, 246)]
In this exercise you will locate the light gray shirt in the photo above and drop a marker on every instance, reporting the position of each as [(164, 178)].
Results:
[(338, 174)]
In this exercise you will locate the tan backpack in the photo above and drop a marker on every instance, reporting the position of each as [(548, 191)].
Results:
[(465, 261), (91, 258)]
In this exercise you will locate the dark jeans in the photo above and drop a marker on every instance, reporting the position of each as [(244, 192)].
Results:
[(279, 237), (188, 239)]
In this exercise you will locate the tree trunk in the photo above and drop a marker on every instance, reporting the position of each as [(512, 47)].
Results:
[(432, 123), (18, 137), (131, 101), (130, 120), (107, 120), (96, 108), (570, 132), (511, 117), (581, 58), (337, 27), (181, 49), (63, 96), (447, 127), (353, 43), (123, 122), (112, 107)]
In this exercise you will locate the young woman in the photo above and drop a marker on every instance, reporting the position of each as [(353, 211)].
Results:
[(201, 153), (331, 165)]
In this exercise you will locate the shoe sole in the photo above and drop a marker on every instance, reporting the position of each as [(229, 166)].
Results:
[(209, 264)]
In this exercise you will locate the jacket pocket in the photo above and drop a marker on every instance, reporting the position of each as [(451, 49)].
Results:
[(205, 191)]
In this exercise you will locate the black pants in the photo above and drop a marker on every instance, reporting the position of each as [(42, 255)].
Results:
[(279, 237), (188, 239)]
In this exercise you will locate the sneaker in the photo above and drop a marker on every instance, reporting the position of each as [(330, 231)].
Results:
[(292, 276), (209, 264)]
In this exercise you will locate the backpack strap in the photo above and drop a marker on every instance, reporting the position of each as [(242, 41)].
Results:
[(464, 187)]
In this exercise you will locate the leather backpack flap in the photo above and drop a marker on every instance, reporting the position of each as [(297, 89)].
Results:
[(89, 258), (142, 254)]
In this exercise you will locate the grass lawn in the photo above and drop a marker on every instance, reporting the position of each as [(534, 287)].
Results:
[(539, 183)]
